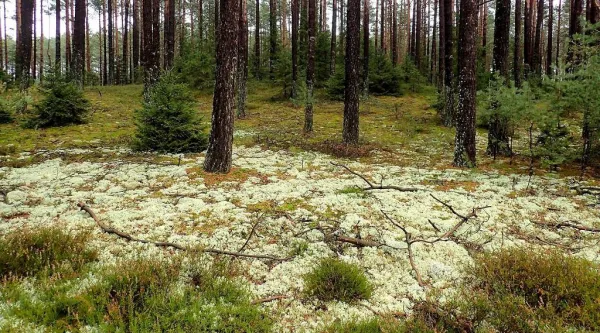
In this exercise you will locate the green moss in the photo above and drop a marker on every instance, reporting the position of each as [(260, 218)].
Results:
[(334, 279)]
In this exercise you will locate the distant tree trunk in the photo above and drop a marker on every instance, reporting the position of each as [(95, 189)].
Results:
[(217, 18), (88, 56), (333, 39), (200, 22), (23, 51), (442, 53), (395, 33), (498, 134), (284, 33), (2, 43), (78, 61), (549, 46), (342, 27), (377, 24), (560, 9), (464, 148), (135, 38), (34, 49), (418, 25), (484, 37), (68, 19), (517, 62), (433, 76), (125, 55), (295, 18), (310, 68), (111, 48), (105, 69), (218, 155), (257, 42), (6, 39), (272, 37), (242, 59), (350, 132), (366, 42), (528, 37), (448, 113), (537, 47), (382, 33)]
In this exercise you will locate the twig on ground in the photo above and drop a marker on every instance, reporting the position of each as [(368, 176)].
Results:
[(258, 220), (567, 224), (268, 299), (109, 230), (371, 187)]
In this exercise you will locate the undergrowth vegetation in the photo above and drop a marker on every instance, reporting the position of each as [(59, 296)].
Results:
[(334, 279)]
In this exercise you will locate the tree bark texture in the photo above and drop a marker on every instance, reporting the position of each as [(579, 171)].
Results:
[(350, 132)]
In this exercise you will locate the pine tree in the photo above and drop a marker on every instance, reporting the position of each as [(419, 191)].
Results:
[(242, 60), (24, 44), (310, 68), (57, 55), (366, 42), (295, 18), (517, 62), (464, 148), (351, 130), (77, 67), (220, 144)]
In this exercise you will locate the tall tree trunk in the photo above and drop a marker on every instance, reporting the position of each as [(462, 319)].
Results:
[(442, 53), (78, 61), (464, 148), (484, 27), (242, 59), (150, 58), (377, 24), (366, 42), (68, 19), (6, 39), (2, 43), (560, 9), (498, 135), (272, 37), (333, 39), (433, 69), (135, 38), (350, 132), (200, 22), (448, 113), (34, 50), (549, 46), (104, 54), (111, 49), (169, 33), (257, 42), (295, 18), (284, 33), (537, 47), (125, 55), (395, 33), (88, 56), (218, 155), (517, 62), (418, 34), (57, 55), (594, 11), (382, 28), (310, 68), (23, 51)]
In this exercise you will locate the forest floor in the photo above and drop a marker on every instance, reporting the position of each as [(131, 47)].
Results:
[(289, 195)]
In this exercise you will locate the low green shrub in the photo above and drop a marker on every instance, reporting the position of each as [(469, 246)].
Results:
[(63, 104), (42, 252), (378, 325), (334, 279), (5, 112), (167, 121)]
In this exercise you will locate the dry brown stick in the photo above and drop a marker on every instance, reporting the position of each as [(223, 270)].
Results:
[(268, 299), (357, 241), (258, 220), (110, 230), (567, 224), (376, 187)]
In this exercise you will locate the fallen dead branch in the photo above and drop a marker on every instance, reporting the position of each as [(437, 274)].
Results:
[(594, 190), (567, 224), (371, 186), (268, 299), (109, 230)]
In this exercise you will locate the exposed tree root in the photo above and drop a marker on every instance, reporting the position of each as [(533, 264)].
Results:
[(371, 187), (109, 230)]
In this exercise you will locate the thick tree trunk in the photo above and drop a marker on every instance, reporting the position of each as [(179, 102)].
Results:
[(549, 46), (272, 37), (23, 51), (218, 155), (88, 56), (68, 23), (295, 18), (464, 149), (34, 49), (350, 132), (574, 28), (257, 42), (242, 59), (284, 33), (448, 113), (310, 68), (151, 58), (200, 23), (333, 39), (366, 42), (376, 25), (78, 60), (594, 11), (169, 33), (442, 46), (517, 62), (104, 54)]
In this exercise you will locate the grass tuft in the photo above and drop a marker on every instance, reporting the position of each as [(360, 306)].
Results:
[(334, 279)]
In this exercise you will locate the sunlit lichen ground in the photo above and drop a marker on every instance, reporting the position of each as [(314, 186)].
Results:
[(286, 181)]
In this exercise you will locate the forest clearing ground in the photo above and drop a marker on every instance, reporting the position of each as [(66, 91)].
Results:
[(281, 179)]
